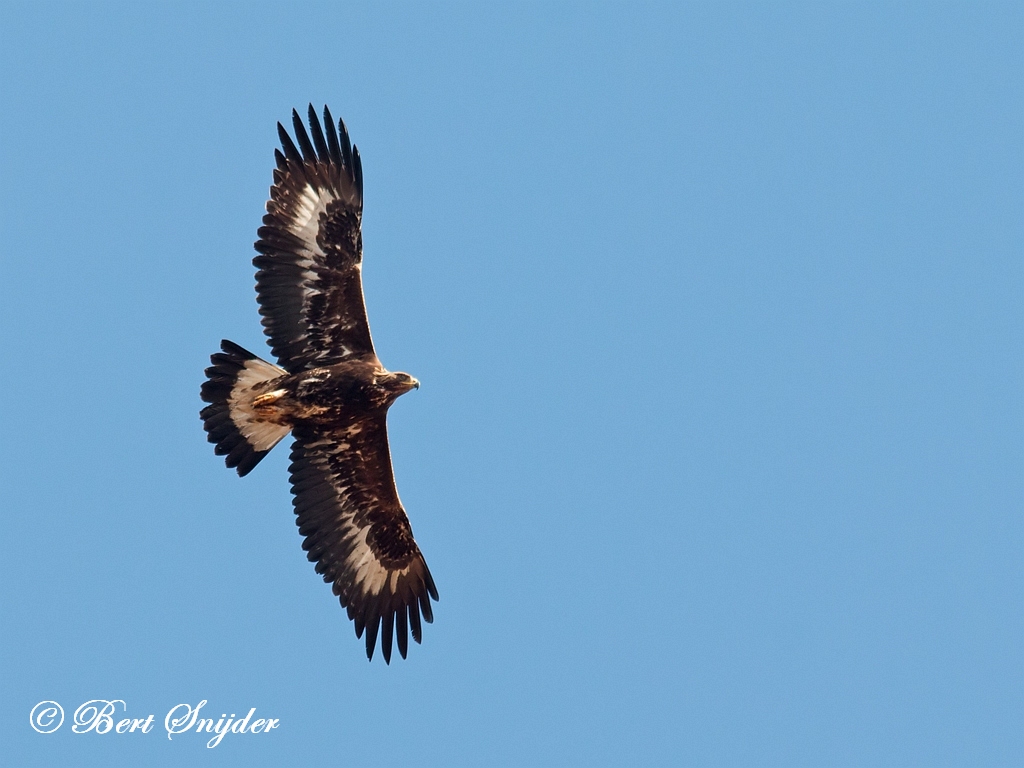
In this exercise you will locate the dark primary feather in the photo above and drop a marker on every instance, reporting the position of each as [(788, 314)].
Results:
[(318, 136), (308, 282), (357, 170), (289, 147), (332, 136), (308, 153), (350, 516)]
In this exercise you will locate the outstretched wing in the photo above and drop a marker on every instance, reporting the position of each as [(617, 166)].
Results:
[(357, 532), (309, 285)]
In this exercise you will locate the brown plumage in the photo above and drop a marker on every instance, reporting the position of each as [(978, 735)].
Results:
[(330, 390)]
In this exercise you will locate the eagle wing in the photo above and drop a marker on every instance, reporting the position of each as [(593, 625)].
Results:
[(309, 283), (357, 532)]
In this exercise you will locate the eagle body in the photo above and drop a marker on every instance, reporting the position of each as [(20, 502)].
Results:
[(329, 390), (333, 397)]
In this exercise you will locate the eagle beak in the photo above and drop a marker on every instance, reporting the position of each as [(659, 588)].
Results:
[(415, 383)]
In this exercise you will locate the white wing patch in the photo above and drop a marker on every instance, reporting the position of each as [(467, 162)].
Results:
[(370, 575), (261, 435), (306, 216), (305, 212)]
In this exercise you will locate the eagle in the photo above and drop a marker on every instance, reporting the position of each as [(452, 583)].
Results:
[(328, 389)]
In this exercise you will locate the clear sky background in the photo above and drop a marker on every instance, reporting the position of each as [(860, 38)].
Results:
[(718, 313)]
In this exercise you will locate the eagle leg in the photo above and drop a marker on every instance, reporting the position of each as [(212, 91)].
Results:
[(268, 399)]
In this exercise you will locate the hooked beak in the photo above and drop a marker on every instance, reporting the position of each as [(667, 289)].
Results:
[(415, 383)]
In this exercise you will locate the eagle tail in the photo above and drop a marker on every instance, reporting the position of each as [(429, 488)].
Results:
[(231, 422)]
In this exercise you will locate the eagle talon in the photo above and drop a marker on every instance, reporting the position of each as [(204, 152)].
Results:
[(268, 399)]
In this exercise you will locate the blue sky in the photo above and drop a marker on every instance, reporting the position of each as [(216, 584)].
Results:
[(717, 309)]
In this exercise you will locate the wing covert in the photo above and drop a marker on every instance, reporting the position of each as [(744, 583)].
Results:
[(309, 282)]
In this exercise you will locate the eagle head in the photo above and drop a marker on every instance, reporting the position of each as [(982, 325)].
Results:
[(392, 385)]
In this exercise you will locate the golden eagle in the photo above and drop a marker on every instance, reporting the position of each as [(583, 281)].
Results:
[(330, 391)]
